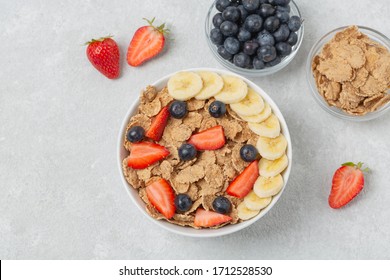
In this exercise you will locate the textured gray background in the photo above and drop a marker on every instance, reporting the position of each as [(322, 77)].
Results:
[(61, 195)]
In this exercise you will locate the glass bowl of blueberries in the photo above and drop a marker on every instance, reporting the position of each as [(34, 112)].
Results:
[(254, 37)]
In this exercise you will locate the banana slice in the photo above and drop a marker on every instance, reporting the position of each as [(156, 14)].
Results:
[(259, 117), (244, 213), (272, 148), (253, 202), (266, 187), (233, 91), (271, 168), (269, 128), (251, 105), (212, 84), (184, 85)]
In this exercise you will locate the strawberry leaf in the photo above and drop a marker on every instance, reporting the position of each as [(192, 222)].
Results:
[(349, 164), (99, 40), (359, 165)]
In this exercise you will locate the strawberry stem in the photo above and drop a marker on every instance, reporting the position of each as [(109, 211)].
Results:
[(161, 28)]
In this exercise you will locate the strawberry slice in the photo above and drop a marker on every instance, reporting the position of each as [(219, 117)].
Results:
[(148, 41), (347, 182), (159, 123), (162, 197), (205, 218), (209, 139), (243, 183), (144, 154)]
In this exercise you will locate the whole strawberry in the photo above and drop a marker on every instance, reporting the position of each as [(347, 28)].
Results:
[(148, 41), (347, 183), (103, 53)]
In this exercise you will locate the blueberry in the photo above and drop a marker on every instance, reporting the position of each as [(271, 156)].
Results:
[(281, 2), (249, 153), (216, 36), (274, 62), (266, 10), (135, 134), (281, 35), (228, 28), (242, 60), (271, 24), (231, 14), (292, 39), (187, 152), (258, 63), (243, 35), (283, 8), (221, 5), (232, 45), (250, 47), (183, 202), (222, 205), (283, 48), (266, 53), (217, 20), (235, 3), (217, 109), (250, 62), (178, 109), (294, 23), (265, 38), (251, 5), (253, 23), (283, 17), (224, 53), (243, 13)]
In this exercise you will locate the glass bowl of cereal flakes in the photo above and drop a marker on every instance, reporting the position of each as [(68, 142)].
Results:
[(348, 71), (204, 152)]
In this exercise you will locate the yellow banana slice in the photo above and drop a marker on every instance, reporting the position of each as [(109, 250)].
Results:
[(184, 85)]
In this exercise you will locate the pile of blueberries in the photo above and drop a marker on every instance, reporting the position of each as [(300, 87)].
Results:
[(254, 33)]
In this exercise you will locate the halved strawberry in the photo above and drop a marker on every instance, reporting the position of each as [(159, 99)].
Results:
[(159, 123), (147, 42), (209, 139), (347, 182), (243, 183), (162, 197), (205, 218), (144, 154)]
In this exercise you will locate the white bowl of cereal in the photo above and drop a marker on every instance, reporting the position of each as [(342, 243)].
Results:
[(191, 163), (348, 71)]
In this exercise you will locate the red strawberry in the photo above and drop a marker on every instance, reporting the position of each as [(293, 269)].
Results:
[(205, 218), (159, 123), (347, 182), (162, 196), (244, 182), (209, 139), (148, 41), (103, 53), (144, 154)]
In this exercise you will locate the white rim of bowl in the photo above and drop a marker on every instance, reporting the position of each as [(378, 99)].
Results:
[(205, 233), (316, 48), (255, 72)]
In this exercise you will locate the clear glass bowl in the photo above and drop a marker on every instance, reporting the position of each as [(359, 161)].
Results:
[(316, 49), (253, 72)]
